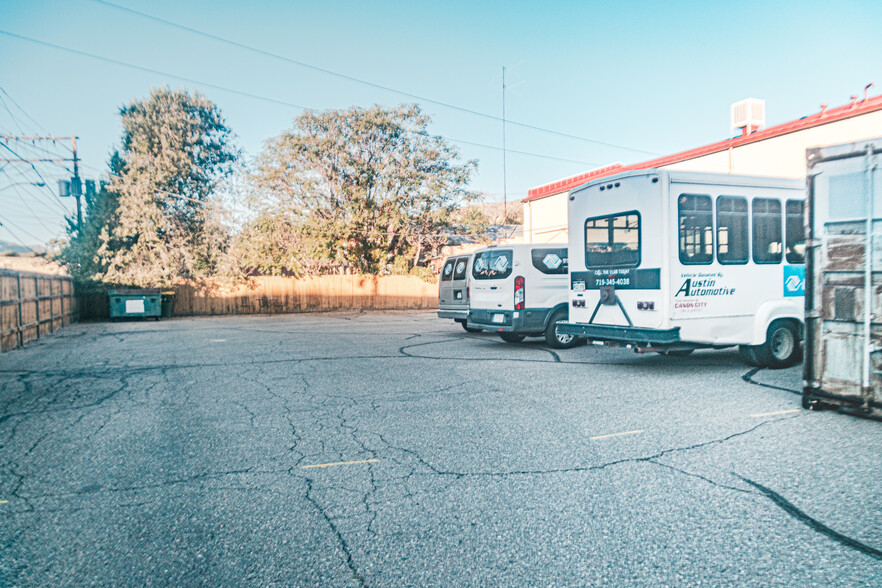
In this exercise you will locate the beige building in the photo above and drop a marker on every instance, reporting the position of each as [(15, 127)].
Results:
[(775, 151)]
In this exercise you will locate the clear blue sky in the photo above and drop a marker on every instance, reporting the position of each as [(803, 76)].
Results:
[(654, 76)]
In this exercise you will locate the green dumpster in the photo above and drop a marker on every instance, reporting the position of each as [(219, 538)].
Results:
[(141, 302)]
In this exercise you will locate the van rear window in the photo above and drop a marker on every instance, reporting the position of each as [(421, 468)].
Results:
[(447, 270), (494, 264), (459, 270), (613, 240)]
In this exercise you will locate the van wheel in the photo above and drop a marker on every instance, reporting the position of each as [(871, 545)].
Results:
[(781, 348), (511, 337), (467, 328), (748, 354), (556, 340)]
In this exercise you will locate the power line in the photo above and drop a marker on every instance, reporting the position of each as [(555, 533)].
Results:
[(255, 96), (42, 179), (364, 82), (8, 226), (39, 126)]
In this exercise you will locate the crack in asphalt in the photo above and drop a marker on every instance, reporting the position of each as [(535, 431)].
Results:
[(812, 523), (748, 377)]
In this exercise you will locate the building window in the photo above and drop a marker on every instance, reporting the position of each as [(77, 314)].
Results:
[(696, 229), (733, 244), (767, 242), (613, 240), (794, 231)]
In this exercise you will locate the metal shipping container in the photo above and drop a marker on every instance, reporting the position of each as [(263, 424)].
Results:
[(843, 285)]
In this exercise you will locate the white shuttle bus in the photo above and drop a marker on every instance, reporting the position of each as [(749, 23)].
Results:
[(673, 261)]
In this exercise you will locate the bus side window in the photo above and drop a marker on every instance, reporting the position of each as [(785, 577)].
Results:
[(794, 231), (733, 245), (767, 238), (696, 229)]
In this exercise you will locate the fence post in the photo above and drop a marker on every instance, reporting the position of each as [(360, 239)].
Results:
[(20, 319), (51, 305), (37, 303)]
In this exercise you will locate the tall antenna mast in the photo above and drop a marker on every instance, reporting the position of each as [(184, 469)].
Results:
[(504, 185)]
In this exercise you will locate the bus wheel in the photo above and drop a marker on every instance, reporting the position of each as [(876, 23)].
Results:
[(511, 337), (748, 354), (781, 348), (555, 339), (467, 328)]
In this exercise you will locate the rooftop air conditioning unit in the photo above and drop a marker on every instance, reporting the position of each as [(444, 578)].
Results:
[(748, 115)]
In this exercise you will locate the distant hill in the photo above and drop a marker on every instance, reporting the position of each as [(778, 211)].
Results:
[(494, 211), (7, 247)]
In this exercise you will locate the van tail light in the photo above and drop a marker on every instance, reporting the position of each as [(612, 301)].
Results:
[(469, 291), (519, 293)]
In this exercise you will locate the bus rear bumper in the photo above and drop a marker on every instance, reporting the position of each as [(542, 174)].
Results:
[(635, 335)]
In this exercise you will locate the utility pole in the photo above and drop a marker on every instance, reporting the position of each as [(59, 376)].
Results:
[(76, 185)]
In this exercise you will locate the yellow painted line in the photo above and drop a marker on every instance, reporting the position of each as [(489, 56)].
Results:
[(777, 412), (338, 463), (4, 501), (617, 435), (218, 340)]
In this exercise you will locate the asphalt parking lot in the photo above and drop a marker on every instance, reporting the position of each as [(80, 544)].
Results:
[(396, 449)]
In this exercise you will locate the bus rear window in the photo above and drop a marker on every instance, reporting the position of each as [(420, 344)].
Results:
[(613, 241), (494, 264), (696, 229)]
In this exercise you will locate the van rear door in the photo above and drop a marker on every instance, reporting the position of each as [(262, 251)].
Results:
[(492, 283)]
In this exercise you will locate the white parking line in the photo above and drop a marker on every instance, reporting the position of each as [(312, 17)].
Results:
[(338, 463), (616, 435), (777, 412)]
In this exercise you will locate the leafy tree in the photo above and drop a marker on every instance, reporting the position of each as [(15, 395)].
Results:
[(156, 222), (366, 188)]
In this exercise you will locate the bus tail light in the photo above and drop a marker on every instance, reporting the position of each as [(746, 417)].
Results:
[(519, 293)]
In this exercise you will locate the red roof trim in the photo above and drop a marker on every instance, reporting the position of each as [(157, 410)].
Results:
[(807, 122)]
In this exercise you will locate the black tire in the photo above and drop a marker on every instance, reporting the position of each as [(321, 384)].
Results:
[(467, 328), (511, 337), (748, 354), (781, 348), (559, 341)]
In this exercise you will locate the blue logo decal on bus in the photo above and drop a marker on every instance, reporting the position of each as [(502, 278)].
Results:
[(794, 280)]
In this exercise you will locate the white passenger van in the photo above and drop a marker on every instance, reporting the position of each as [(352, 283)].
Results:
[(453, 290), (673, 261), (521, 290)]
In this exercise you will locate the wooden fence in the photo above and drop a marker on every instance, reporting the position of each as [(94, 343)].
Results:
[(33, 305), (280, 295)]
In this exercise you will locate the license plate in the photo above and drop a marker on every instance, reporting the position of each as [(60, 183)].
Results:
[(498, 318)]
